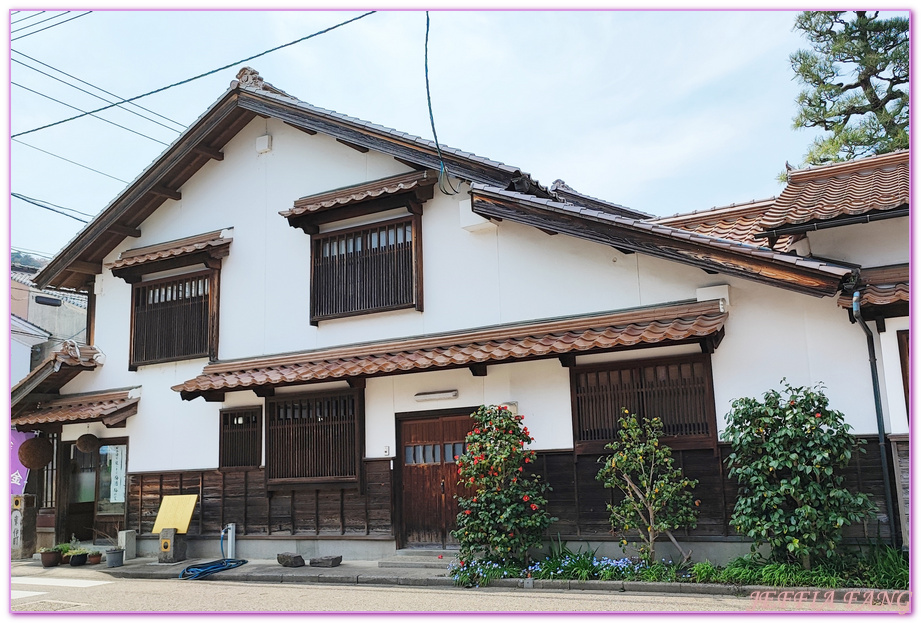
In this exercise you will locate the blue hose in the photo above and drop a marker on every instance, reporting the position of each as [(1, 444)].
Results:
[(197, 572)]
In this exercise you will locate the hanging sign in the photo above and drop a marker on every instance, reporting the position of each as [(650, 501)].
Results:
[(116, 458), (19, 473)]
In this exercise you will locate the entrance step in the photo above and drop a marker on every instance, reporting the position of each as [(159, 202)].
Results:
[(420, 559)]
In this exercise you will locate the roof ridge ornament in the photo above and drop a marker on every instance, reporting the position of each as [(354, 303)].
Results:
[(249, 77)]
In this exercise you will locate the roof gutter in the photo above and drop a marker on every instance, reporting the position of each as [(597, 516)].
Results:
[(850, 220), (880, 426)]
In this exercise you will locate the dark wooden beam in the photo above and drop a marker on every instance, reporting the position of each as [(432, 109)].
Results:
[(568, 360), (302, 129), (214, 154), (264, 391), (411, 165), (86, 268), (125, 231), (549, 232), (356, 382), (880, 324), (163, 191), (360, 148), (478, 369), (624, 251), (213, 396)]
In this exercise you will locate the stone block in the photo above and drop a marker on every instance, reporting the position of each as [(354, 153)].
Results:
[(290, 559), (172, 546), (326, 561)]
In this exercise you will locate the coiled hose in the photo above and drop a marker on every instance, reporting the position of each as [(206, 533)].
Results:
[(197, 572)]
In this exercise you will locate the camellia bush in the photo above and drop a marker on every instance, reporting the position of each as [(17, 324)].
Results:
[(787, 453), (657, 496), (503, 512)]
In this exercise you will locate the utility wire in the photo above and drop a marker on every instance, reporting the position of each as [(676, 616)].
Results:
[(22, 198), (41, 22), (73, 86), (47, 27), (70, 161), (31, 252), (22, 19), (92, 115), (443, 173), (98, 88), (25, 198), (213, 71)]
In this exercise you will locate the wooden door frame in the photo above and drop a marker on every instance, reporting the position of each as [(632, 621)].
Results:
[(65, 482), (399, 418)]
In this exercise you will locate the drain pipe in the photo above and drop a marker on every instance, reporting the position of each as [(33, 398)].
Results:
[(883, 455)]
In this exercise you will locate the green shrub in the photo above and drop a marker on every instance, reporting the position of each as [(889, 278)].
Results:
[(887, 568), (504, 512), (787, 453), (705, 572), (657, 497)]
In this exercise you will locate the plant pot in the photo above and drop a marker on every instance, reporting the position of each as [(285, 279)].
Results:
[(78, 560), (51, 559), (94, 559), (65, 559), (115, 557)]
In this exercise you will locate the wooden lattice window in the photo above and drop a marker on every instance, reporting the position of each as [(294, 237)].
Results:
[(314, 438), (677, 390), (174, 318), (366, 269), (241, 438)]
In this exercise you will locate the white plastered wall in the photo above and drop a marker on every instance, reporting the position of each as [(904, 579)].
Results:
[(879, 243), (890, 374)]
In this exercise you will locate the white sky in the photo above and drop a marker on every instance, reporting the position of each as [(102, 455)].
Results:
[(662, 111)]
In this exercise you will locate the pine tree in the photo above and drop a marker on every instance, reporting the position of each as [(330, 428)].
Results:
[(856, 78)]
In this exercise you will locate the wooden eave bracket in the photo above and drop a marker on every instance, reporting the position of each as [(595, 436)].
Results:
[(264, 391), (214, 154), (163, 191), (478, 369), (359, 148), (209, 396)]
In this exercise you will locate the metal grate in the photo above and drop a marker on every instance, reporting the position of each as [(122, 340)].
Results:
[(241, 437), (363, 269), (313, 437), (170, 318)]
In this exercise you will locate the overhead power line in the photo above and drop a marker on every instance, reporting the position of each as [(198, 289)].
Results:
[(98, 88), (42, 201), (36, 203), (213, 71), (118, 125), (27, 17), (47, 19), (83, 166), (99, 97), (35, 32)]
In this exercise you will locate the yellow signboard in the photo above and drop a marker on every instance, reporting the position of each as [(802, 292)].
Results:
[(175, 512)]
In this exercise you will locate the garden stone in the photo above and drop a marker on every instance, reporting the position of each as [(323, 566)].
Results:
[(290, 559), (326, 561)]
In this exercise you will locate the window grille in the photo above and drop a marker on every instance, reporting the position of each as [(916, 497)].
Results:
[(314, 437), (679, 391), (241, 438), (170, 319), (365, 269)]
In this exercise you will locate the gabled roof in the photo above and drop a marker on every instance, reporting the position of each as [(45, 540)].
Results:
[(21, 326), (873, 184), (738, 222), (249, 96), (675, 323), (814, 277), (567, 194)]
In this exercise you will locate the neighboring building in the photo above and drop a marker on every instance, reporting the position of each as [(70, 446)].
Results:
[(298, 315), (24, 338)]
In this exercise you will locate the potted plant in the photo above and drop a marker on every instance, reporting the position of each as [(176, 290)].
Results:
[(94, 557), (115, 555), (51, 557), (78, 557), (64, 550)]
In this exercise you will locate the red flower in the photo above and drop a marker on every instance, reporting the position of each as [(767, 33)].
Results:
[(511, 534), (474, 498), (455, 457), (520, 469), (466, 512), (476, 430), (533, 507), (527, 460), (471, 479), (818, 415), (526, 498)]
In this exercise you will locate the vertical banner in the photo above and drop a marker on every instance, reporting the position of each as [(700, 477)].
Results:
[(116, 457), (18, 472)]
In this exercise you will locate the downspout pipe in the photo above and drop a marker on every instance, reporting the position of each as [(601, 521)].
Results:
[(881, 428)]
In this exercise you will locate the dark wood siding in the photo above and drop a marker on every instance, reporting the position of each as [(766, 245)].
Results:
[(580, 501), (364, 269), (241, 497)]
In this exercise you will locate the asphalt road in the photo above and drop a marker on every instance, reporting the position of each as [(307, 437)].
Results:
[(85, 590)]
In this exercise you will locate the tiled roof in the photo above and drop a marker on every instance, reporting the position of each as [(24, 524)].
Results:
[(73, 298), (679, 322), (175, 248), (109, 406), (361, 192), (56, 371), (738, 222), (569, 195), (747, 258), (848, 188), (880, 286)]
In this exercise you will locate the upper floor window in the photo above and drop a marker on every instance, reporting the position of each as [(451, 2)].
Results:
[(366, 269), (175, 317), (677, 390)]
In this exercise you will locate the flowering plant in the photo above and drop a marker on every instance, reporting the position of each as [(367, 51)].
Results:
[(656, 495), (788, 451), (504, 511)]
